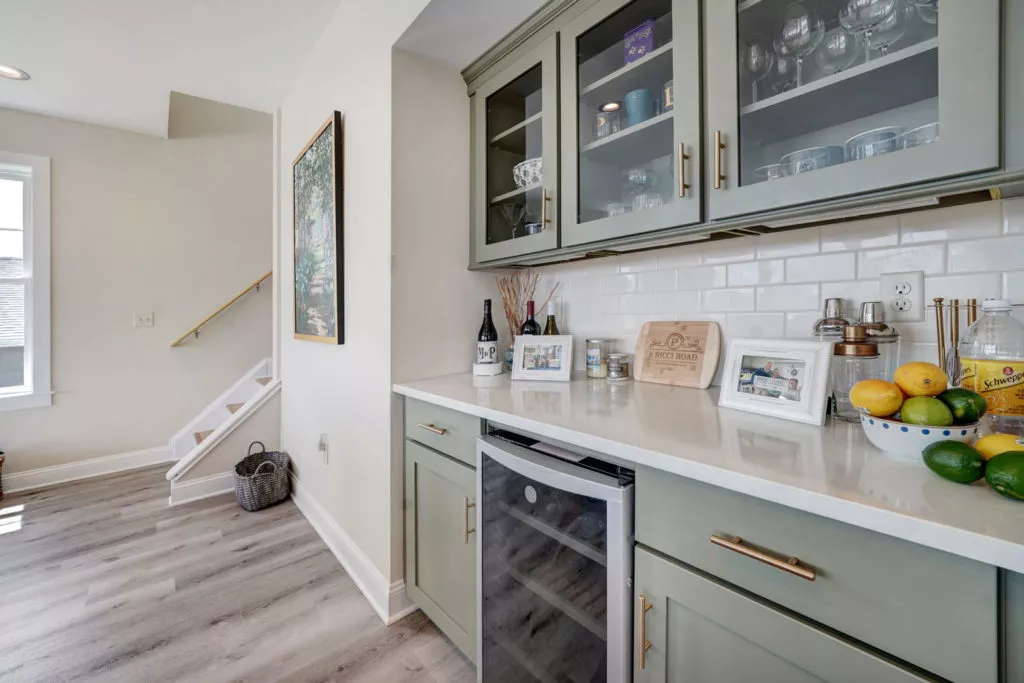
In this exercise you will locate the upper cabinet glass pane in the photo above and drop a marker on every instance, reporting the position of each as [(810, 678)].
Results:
[(514, 158), (624, 81), (826, 82)]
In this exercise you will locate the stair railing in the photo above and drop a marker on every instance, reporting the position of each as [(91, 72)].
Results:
[(194, 332)]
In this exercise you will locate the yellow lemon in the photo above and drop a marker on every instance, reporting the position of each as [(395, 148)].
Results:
[(994, 444), (878, 397), (920, 379)]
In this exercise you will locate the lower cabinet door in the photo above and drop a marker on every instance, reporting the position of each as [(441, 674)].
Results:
[(440, 542), (1013, 639), (700, 631)]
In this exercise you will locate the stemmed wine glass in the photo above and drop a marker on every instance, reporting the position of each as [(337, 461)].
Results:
[(514, 214), (928, 10), (839, 50), (758, 60), (802, 33), (784, 73), (863, 16), (895, 26)]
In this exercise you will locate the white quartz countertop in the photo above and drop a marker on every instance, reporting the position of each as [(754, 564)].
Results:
[(831, 471)]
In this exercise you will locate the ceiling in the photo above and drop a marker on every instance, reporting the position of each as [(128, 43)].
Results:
[(115, 62), (456, 32)]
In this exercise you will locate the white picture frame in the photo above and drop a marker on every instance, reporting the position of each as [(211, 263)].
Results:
[(543, 358), (783, 378)]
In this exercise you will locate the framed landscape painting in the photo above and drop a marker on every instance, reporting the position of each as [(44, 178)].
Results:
[(318, 227)]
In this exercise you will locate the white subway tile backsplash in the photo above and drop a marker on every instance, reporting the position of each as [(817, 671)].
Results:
[(790, 243), (758, 325), (824, 267), (866, 234), (930, 258), (980, 286), (788, 298), (725, 300), (757, 273), (656, 281), (952, 223), (701, 277), (775, 285), (1003, 253)]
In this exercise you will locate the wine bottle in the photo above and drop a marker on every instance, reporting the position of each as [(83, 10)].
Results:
[(531, 326), (551, 327), (487, 338)]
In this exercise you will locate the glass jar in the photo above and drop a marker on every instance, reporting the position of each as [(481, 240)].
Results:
[(854, 358), (597, 358), (618, 366), (830, 326), (887, 337)]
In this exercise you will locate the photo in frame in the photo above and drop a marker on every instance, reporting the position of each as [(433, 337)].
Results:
[(317, 187), (545, 358), (782, 378)]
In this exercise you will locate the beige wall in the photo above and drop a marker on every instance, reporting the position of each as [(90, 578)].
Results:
[(175, 226)]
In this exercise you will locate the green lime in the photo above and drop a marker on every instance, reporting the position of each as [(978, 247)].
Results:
[(1005, 473), (925, 410), (954, 461), (967, 406)]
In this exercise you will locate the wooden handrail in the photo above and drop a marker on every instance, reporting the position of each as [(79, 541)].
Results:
[(195, 330)]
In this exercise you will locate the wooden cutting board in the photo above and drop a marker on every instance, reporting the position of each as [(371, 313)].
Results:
[(683, 354)]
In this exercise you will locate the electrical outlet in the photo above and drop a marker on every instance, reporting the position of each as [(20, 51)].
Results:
[(903, 295), (144, 319), (321, 445)]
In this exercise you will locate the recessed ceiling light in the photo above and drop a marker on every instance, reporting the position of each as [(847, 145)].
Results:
[(12, 72)]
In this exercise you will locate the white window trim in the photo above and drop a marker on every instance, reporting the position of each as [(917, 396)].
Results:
[(37, 391)]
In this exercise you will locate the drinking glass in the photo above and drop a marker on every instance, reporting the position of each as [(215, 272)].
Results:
[(758, 60), (863, 16), (928, 10), (894, 27), (514, 214), (839, 50), (802, 33)]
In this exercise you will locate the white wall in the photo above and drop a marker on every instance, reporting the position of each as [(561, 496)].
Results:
[(345, 391), (175, 226), (774, 285)]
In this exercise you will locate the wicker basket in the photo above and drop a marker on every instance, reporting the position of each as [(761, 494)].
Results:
[(261, 479), (2, 458)]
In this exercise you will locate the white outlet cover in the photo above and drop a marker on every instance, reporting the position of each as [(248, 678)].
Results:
[(903, 295), (142, 319)]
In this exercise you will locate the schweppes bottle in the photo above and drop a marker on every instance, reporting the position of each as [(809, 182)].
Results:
[(992, 354)]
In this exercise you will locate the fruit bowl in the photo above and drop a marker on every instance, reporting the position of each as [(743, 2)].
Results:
[(906, 441)]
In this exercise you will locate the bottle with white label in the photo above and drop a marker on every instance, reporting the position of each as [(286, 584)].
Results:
[(992, 355), (487, 339)]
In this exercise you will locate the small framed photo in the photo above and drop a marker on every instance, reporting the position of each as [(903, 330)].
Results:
[(783, 378), (543, 358)]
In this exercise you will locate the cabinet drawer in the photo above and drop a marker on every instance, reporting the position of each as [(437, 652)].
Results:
[(448, 431), (899, 597)]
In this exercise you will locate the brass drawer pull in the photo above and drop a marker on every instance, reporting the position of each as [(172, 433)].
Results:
[(440, 431), (683, 157), (719, 146), (544, 199), (466, 507), (791, 566), (644, 645)]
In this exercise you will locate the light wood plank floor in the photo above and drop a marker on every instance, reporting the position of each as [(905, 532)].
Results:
[(101, 581)]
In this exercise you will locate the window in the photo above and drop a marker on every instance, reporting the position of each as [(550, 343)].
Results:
[(24, 281)]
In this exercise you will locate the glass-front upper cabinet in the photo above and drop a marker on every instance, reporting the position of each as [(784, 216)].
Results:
[(630, 113), (515, 158), (816, 99)]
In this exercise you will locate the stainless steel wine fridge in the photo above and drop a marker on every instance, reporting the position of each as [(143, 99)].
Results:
[(554, 564)]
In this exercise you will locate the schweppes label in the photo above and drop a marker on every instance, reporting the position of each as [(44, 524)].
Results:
[(1000, 382)]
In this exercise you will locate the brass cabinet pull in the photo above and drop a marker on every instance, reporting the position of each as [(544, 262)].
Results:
[(644, 645), (683, 156), (719, 146), (466, 507), (791, 566), (544, 199), (440, 431)]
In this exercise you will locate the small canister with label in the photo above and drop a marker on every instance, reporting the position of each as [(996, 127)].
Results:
[(618, 366)]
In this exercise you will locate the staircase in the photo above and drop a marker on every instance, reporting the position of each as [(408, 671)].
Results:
[(200, 437)]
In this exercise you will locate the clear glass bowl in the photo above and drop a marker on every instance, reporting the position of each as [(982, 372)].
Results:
[(923, 135), (874, 143)]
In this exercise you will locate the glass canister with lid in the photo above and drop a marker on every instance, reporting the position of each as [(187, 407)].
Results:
[(854, 358), (597, 358)]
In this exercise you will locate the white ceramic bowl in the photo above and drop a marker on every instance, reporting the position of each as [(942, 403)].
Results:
[(529, 172), (906, 441)]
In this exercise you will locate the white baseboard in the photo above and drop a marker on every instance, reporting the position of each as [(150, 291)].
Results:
[(85, 469), (388, 600), (204, 487)]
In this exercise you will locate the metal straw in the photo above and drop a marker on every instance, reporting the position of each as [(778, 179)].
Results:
[(972, 311), (953, 353), (940, 329)]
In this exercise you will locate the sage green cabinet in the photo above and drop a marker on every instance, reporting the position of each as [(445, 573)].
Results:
[(630, 106), (515, 158), (700, 631), (440, 542), (1013, 638), (789, 85)]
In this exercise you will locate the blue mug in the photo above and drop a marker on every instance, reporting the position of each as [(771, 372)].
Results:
[(638, 106)]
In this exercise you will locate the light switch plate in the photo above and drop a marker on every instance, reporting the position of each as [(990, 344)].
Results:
[(142, 319), (903, 294)]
